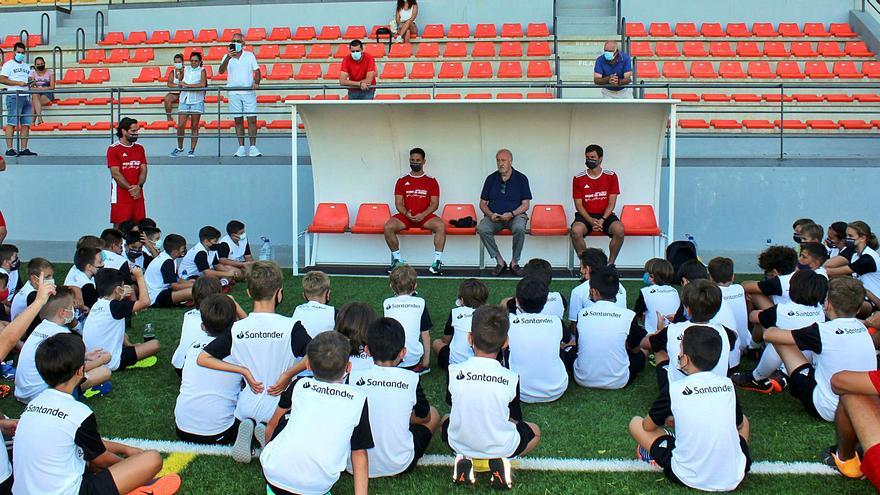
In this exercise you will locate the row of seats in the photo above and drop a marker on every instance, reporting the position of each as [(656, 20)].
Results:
[(480, 49), (31, 41), (774, 49), (767, 97), (327, 33), (787, 124), (739, 30), (546, 220), (757, 70)]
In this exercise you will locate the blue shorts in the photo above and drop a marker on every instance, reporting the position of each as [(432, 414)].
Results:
[(357, 94), (18, 110), (191, 107)]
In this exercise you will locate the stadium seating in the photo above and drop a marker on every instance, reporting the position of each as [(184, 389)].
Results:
[(371, 218)]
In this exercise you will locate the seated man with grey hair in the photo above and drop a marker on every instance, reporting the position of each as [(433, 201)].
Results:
[(504, 202), (613, 71)]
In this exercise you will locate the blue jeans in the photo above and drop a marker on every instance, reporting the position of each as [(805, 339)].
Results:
[(357, 94), (18, 110)]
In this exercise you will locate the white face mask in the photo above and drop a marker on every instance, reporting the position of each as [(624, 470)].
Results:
[(178, 65), (243, 236), (67, 320)]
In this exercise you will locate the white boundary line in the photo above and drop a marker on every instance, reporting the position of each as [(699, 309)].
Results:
[(527, 463)]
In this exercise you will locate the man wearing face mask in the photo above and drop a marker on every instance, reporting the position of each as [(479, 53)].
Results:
[(416, 197), (595, 193), (127, 162), (358, 73), (16, 74), (613, 71), (244, 72)]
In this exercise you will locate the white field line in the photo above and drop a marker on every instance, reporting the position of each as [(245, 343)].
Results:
[(527, 463)]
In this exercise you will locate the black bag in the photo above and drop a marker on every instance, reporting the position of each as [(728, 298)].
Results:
[(679, 252), (463, 223)]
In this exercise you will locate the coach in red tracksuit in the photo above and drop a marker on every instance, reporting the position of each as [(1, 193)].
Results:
[(127, 162)]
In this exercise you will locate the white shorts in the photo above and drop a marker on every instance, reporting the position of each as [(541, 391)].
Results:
[(243, 104), (623, 94)]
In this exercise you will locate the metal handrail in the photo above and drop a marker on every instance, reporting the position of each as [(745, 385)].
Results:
[(45, 34), (557, 62), (24, 37), (58, 65), (620, 17), (79, 52), (99, 13)]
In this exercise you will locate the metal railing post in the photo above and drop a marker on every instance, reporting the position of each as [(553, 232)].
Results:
[(79, 52), (101, 15), (111, 114), (781, 121), (24, 37), (219, 127), (58, 65), (45, 34), (556, 61)]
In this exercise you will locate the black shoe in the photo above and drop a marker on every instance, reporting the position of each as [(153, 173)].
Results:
[(436, 268), (463, 471), (499, 269), (26, 152), (516, 270), (746, 381), (502, 478), (11, 152), (780, 378)]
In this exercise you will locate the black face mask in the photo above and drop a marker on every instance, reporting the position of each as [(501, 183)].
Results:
[(797, 238), (133, 254), (849, 242), (132, 138), (591, 164), (40, 67), (415, 167), (215, 247), (15, 265)]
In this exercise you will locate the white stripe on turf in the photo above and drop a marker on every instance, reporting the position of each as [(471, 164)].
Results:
[(528, 463)]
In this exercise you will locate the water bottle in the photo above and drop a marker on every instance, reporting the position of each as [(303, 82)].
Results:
[(148, 332), (265, 250)]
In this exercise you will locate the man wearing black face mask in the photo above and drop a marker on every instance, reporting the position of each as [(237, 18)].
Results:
[(595, 193), (127, 162), (416, 197)]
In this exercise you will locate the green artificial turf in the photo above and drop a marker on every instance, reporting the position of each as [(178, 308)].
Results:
[(587, 424)]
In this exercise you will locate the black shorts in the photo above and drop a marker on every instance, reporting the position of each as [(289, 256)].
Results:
[(526, 434), (606, 225), (421, 439), (443, 357), (662, 375), (801, 384), (637, 361), (127, 358), (164, 300), (661, 451), (6, 486), (100, 483), (224, 438)]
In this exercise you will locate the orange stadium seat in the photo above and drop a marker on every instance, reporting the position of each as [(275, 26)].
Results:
[(459, 31), (355, 33), (294, 52), (689, 97), (71, 102), (136, 38), (703, 70), (792, 124), (764, 30), (433, 31), (830, 49), (206, 36), (666, 49), (817, 70), (281, 72), (738, 30), (747, 49), (280, 34), (333, 71), (268, 98), (308, 72), (822, 124), (480, 70), (73, 76), (757, 124), (731, 70), (511, 70), (478, 96), (371, 218), (456, 49), (712, 30), (540, 96), (268, 52), (854, 125), (112, 38), (255, 34), (93, 57), (639, 220), (296, 97), (428, 50), (806, 98), (775, 49), (422, 70), (393, 70), (802, 49), (537, 30), (117, 56), (148, 75), (486, 31), (320, 50), (660, 30), (375, 29), (846, 70), (455, 212), (74, 126), (647, 70), (387, 96), (674, 70), (867, 97), (483, 49), (223, 124), (329, 33), (641, 49), (636, 30), (789, 70), (159, 37), (842, 30), (508, 96), (342, 51), (745, 98), (760, 70), (228, 33), (776, 98), (549, 220), (694, 49), (511, 30), (417, 96), (98, 76), (816, 30), (687, 30), (142, 56), (305, 33), (858, 49), (539, 69), (715, 98), (451, 70), (216, 53), (871, 69), (693, 124), (790, 30), (182, 36), (401, 50), (330, 218), (510, 49), (538, 49)]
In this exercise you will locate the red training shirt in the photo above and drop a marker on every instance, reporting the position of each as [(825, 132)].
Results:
[(357, 71), (129, 160), (594, 193), (417, 192)]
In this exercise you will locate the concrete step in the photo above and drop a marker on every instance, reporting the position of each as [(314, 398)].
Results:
[(594, 29), (581, 49), (583, 12), (584, 4)]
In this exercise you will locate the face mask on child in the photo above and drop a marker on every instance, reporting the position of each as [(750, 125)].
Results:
[(646, 278)]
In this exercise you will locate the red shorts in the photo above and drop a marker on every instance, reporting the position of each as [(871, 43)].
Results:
[(2, 220), (875, 379), (135, 210), (871, 465), (415, 225)]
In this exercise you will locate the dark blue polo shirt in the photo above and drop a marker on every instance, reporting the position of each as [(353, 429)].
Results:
[(620, 66), (505, 196)]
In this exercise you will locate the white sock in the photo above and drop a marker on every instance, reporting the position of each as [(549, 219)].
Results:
[(396, 255), (438, 255)]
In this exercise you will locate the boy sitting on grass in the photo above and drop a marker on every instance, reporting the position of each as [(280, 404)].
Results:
[(658, 296), (81, 277), (412, 313), (57, 446), (591, 259), (202, 259), (320, 424), (858, 424), (485, 420), (233, 249), (733, 296), (163, 284), (453, 347), (778, 264), (543, 271), (316, 315)]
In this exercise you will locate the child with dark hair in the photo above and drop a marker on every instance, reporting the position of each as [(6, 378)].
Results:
[(540, 269), (710, 449), (411, 311), (798, 227), (164, 285), (835, 241), (812, 256), (592, 259), (401, 419), (316, 314), (353, 321), (10, 262), (202, 259), (658, 296), (329, 416), (453, 347), (733, 296), (778, 263), (87, 261), (233, 248), (112, 251), (152, 238), (27, 295)]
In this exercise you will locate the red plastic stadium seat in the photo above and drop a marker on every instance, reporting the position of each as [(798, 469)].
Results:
[(660, 30), (330, 218), (655, 96), (508, 96), (129, 100), (757, 124), (401, 50), (549, 220), (223, 124), (790, 30), (74, 126), (417, 96), (711, 30), (764, 30), (329, 33), (320, 50), (136, 38), (46, 126), (639, 220), (481, 49), (829, 49), (433, 31), (422, 70), (789, 70), (807, 98), (296, 97), (387, 96), (694, 49), (854, 125), (268, 52), (182, 36), (539, 69), (842, 30), (540, 96), (375, 29), (775, 49), (703, 70), (371, 218), (731, 70), (776, 97), (692, 124), (725, 124), (745, 98), (686, 30), (308, 72), (151, 100), (294, 52), (326, 97), (511, 30), (674, 70), (792, 124), (216, 53), (112, 38), (255, 34), (142, 56), (455, 212), (333, 71), (816, 30), (512, 49), (486, 31), (817, 70), (377, 50), (511, 70), (206, 36), (93, 57), (867, 97), (98, 76), (267, 98), (306, 33), (428, 50), (647, 70), (447, 96), (747, 49), (282, 125), (228, 33), (666, 49), (858, 49), (393, 70), (760, 70), (642, 49), (689, 97), (451, 70), (159, 38), (715, 97), (723, 49), (342, 51), (537, 30), (871, 69), (117, 56), (823, 124), (802, 49), (280, 34), (71, 102), (478, 96), (459, 49), (355, 33), (738, 30), (636, 30), (838, 98), (459, 31), (281, 72), (480, 70)]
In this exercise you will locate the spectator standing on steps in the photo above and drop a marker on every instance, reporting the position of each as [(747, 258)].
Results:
[(358, 73), (173, 81), (243, 73), (15, 74)]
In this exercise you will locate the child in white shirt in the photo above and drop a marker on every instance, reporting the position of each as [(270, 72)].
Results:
[(315, 314), (412, 312), (453, 347)]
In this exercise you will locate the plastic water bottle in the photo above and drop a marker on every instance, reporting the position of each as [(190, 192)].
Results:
[(265, 250), (149, 334)]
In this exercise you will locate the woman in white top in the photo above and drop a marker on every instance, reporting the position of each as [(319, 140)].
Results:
[(192, 103), (864, 264), (405, 17), (173, 81)]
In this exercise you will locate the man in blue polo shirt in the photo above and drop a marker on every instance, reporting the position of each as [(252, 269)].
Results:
[(613, 72), (504, 202)]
